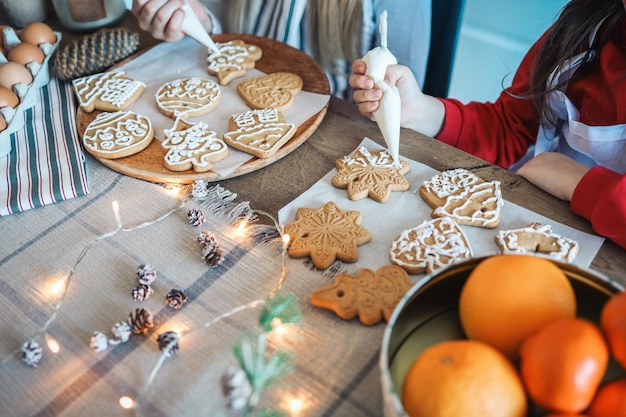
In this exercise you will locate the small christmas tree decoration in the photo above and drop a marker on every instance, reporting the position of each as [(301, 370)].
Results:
[(169, 341), (31, 353), (142, 292), (146, 274), (140, 321), (200, 189), (121, 332), (236, 388), (95, 53), (211, 251), (196, 217), (175, 298), (98, 342)]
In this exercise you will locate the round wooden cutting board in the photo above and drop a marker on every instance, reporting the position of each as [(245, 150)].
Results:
[(277, 56)]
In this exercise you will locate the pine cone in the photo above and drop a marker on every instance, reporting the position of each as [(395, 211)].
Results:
[(176, 298), (164, 341), (142, 292), (236, 388), (121, 332), (196, 217), (98, 342), (140, 321), (31, 353), (146, 274), (211, 251), (95, 53)]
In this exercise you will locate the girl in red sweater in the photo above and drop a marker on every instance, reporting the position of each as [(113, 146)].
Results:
[(561, 124)]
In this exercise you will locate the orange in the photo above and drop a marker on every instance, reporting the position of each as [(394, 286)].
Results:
[(563, 363), (610, 400), (508, 297), (459, 378), (613, 323)]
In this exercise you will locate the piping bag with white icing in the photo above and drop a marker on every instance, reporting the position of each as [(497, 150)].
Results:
[(192, 27), (387, 115)]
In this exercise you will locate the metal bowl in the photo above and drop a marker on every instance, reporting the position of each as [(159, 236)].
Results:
[(428, 314)]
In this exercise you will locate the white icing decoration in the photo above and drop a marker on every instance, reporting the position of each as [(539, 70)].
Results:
[(458, 205), (196, 144), (450, 182), (110, 87), (110, 132), (250, 117), (363, 157), (556, 246), (187, 95)]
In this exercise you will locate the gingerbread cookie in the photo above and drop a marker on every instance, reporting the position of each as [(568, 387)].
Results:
[(276, 90), (108, 91), (192, 145), (259, 132), (371, 295), (371, 174), (188, 97), (432, 245), (327, 234), (116, 135), (464, 197), (234, 59), (537, 238)]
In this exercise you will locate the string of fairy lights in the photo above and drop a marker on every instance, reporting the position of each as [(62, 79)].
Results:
[(278, 312)]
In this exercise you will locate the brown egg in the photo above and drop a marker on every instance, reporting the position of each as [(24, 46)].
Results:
[(24, 53), (37, 33), (12, 73), (8, 98), (3, 123)]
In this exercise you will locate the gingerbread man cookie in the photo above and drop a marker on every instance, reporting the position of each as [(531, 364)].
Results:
[(371, 295), (192, 145), (327, 234), (371, 174), (537, 238), (432, 245), (464, 197)]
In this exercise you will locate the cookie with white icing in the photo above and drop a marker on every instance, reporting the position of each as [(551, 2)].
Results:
[(276, 90), (116, 135), (369, 173), (108, 91), (234, 59), (464, 197), (432, 245), (192, 146), (260, 132), (188, 97), (537, 238)]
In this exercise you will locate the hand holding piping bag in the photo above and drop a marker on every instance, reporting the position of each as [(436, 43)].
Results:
[(387, 115)]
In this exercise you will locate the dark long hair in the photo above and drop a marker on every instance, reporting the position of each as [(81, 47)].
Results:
[(568, 37)]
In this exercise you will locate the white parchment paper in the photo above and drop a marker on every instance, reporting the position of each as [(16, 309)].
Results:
[(168, 61), (405, 210)]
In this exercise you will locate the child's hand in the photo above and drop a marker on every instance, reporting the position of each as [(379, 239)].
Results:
[(554, 173), (164, 18)]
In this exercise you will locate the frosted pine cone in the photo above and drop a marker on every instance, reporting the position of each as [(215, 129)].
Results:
[(98, 342), (196, 217), (121, 332), (165, 340), (175, 298), (236, 388), (200, 188), (95, 53), (140, 321), (146, 274), (142, 292), (211, 251), (31, 353)]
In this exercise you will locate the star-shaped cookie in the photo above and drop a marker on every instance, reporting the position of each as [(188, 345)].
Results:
[(372, 174), (327, 234), (371, 295)]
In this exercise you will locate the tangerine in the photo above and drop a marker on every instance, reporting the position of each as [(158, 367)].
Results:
[(610, 400), (563, 363), (507, 297), (613, 323), (459, 378)]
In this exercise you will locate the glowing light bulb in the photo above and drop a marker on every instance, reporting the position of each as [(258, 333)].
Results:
[(127, 402), (53, 345), (286, 239), (295, 406)]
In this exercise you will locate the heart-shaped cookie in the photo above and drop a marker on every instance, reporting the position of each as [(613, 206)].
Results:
[(276, 90)]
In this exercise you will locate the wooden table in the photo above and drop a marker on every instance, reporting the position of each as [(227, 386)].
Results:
[(336, 364)]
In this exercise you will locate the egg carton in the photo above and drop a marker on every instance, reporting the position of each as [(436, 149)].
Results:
[(28, 94)]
